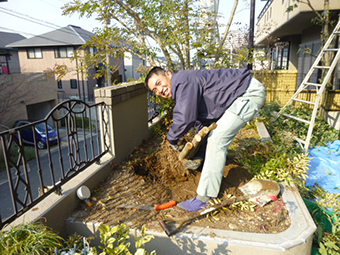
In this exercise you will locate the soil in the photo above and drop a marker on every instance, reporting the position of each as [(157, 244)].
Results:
[(154, 175)]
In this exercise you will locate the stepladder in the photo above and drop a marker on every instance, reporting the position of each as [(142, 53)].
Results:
[(312, 90)]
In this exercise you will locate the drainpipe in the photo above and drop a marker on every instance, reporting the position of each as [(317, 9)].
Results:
[(82, 80), (251, 33), (78, 85), (6, 57), (107, 56)]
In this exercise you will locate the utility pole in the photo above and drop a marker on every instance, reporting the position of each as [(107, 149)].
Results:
[(251, 33), (107, 56)]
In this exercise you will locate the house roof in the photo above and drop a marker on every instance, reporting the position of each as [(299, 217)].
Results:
[(6, 38), (69, 35)]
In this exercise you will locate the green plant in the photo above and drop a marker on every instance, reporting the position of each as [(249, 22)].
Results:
[(31, 238), (251, 124), (79, 122), (271, 161), (323, 197), (115, 240), (29, 155), (291, 164), (165, 107), (281, 126), (329, 241), (283, 168)]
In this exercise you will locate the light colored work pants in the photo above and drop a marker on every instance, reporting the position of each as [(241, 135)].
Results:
[(233, 119)]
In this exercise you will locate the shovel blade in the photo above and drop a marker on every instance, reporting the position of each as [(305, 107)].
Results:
[(139, 207), (261, 191)]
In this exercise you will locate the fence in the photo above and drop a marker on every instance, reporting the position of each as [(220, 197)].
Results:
[(30, 174), (281, 85)]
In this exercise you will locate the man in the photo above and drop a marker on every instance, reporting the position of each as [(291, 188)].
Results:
[(229, 97)]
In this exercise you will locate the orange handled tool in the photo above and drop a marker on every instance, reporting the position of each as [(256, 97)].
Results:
[(146, 207), (165, 206)]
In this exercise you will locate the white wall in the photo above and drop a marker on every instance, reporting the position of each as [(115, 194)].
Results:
[(131, 62)]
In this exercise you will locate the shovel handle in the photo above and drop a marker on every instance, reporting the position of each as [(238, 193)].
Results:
[(195, 215), (165, 227), (165, 206)]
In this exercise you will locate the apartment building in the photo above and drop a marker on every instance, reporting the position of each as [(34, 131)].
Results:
[(9, 59), (131, 64), (295, 40), (22, 96), (43, 52)]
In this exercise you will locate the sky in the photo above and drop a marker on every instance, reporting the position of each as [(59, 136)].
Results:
[(16, 16)]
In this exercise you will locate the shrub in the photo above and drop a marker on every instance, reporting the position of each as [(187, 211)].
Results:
[(79, 122), (29, 155), (114, 240), (291, 164), (31, 238)]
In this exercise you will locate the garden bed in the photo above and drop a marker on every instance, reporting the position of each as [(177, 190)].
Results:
[(153, 175)]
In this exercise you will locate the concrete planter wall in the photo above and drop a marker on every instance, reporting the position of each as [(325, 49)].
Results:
[(297, 239)]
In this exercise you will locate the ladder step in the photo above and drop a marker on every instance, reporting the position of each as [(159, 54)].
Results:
[(296, 118), (331, 50), (303, 101), (313, 84), (322, 67), (318, 87), (299, 140)]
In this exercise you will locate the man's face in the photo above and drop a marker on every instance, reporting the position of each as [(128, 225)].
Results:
[(161, 84)]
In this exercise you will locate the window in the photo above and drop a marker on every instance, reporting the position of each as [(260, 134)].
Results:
[(34, 53), (280, 56), (92, 50), (307, 55), (63, 52), (60, 84), (284, 59), (73, 83)]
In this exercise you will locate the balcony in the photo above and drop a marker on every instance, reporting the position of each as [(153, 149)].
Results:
[(274, 21)]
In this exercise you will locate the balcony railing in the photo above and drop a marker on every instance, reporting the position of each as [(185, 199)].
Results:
[(265, 8), (29, 174)]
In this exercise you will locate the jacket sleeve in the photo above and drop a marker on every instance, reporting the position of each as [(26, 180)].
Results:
[(185, 111)]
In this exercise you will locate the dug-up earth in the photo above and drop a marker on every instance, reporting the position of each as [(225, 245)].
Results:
[(154, 175)]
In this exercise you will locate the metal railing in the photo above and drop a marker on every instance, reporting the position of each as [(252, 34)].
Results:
[(153, 107), (263, 11), (29, 174)]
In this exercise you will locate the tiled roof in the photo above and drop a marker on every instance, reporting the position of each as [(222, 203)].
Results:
[(6, 38), (69, 35)]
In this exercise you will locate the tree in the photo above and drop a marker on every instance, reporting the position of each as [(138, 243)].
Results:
[(97, 54), (147, 28), (321, 18)]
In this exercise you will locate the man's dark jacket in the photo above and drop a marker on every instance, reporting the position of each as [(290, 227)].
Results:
[(202, 96)]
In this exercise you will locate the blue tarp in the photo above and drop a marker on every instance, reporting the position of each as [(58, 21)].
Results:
[(325, 167)]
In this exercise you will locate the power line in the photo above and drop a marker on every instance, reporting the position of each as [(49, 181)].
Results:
[(34, 20), (43, 37), (31, 19), (17, 31), (28, 18)]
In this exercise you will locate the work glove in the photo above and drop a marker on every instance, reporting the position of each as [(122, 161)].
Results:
[(192, 164), (180, 144)]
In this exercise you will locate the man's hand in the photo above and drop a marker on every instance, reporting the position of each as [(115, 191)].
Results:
[(180, 144)]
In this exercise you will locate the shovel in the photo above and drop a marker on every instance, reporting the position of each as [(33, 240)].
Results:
[(259, 191)]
